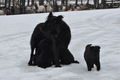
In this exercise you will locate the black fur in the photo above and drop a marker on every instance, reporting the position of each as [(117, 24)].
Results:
[(55, 30), (36, 37), (70, 58), (91, 56), (44, 55)]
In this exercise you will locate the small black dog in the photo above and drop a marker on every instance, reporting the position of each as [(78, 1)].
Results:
[(91, 56), (44, 55)]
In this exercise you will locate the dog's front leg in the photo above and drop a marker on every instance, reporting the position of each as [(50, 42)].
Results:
[(56, 55)]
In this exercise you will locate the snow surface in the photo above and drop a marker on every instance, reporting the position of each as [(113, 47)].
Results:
[(98, 27)]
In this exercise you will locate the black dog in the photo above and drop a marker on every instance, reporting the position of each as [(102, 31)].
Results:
[(91, 56), (55, 30), (60, 35), (44, 55)]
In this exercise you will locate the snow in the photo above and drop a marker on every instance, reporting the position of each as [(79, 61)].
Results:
[(98, 27)]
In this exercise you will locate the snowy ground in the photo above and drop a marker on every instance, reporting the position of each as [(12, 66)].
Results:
[(99, 27)]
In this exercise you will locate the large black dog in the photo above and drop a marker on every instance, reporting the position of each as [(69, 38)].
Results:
[(91, 56), (55, 30)]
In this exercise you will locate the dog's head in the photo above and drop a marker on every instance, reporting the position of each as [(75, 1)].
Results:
[(95, 50), (52, 24)]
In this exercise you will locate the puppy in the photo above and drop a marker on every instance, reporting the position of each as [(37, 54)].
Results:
[(45, 54), (91, 56)]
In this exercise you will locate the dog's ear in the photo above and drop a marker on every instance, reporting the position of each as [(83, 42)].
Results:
[(89, 45), (58, 19), (50, 15), (98, 47)]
